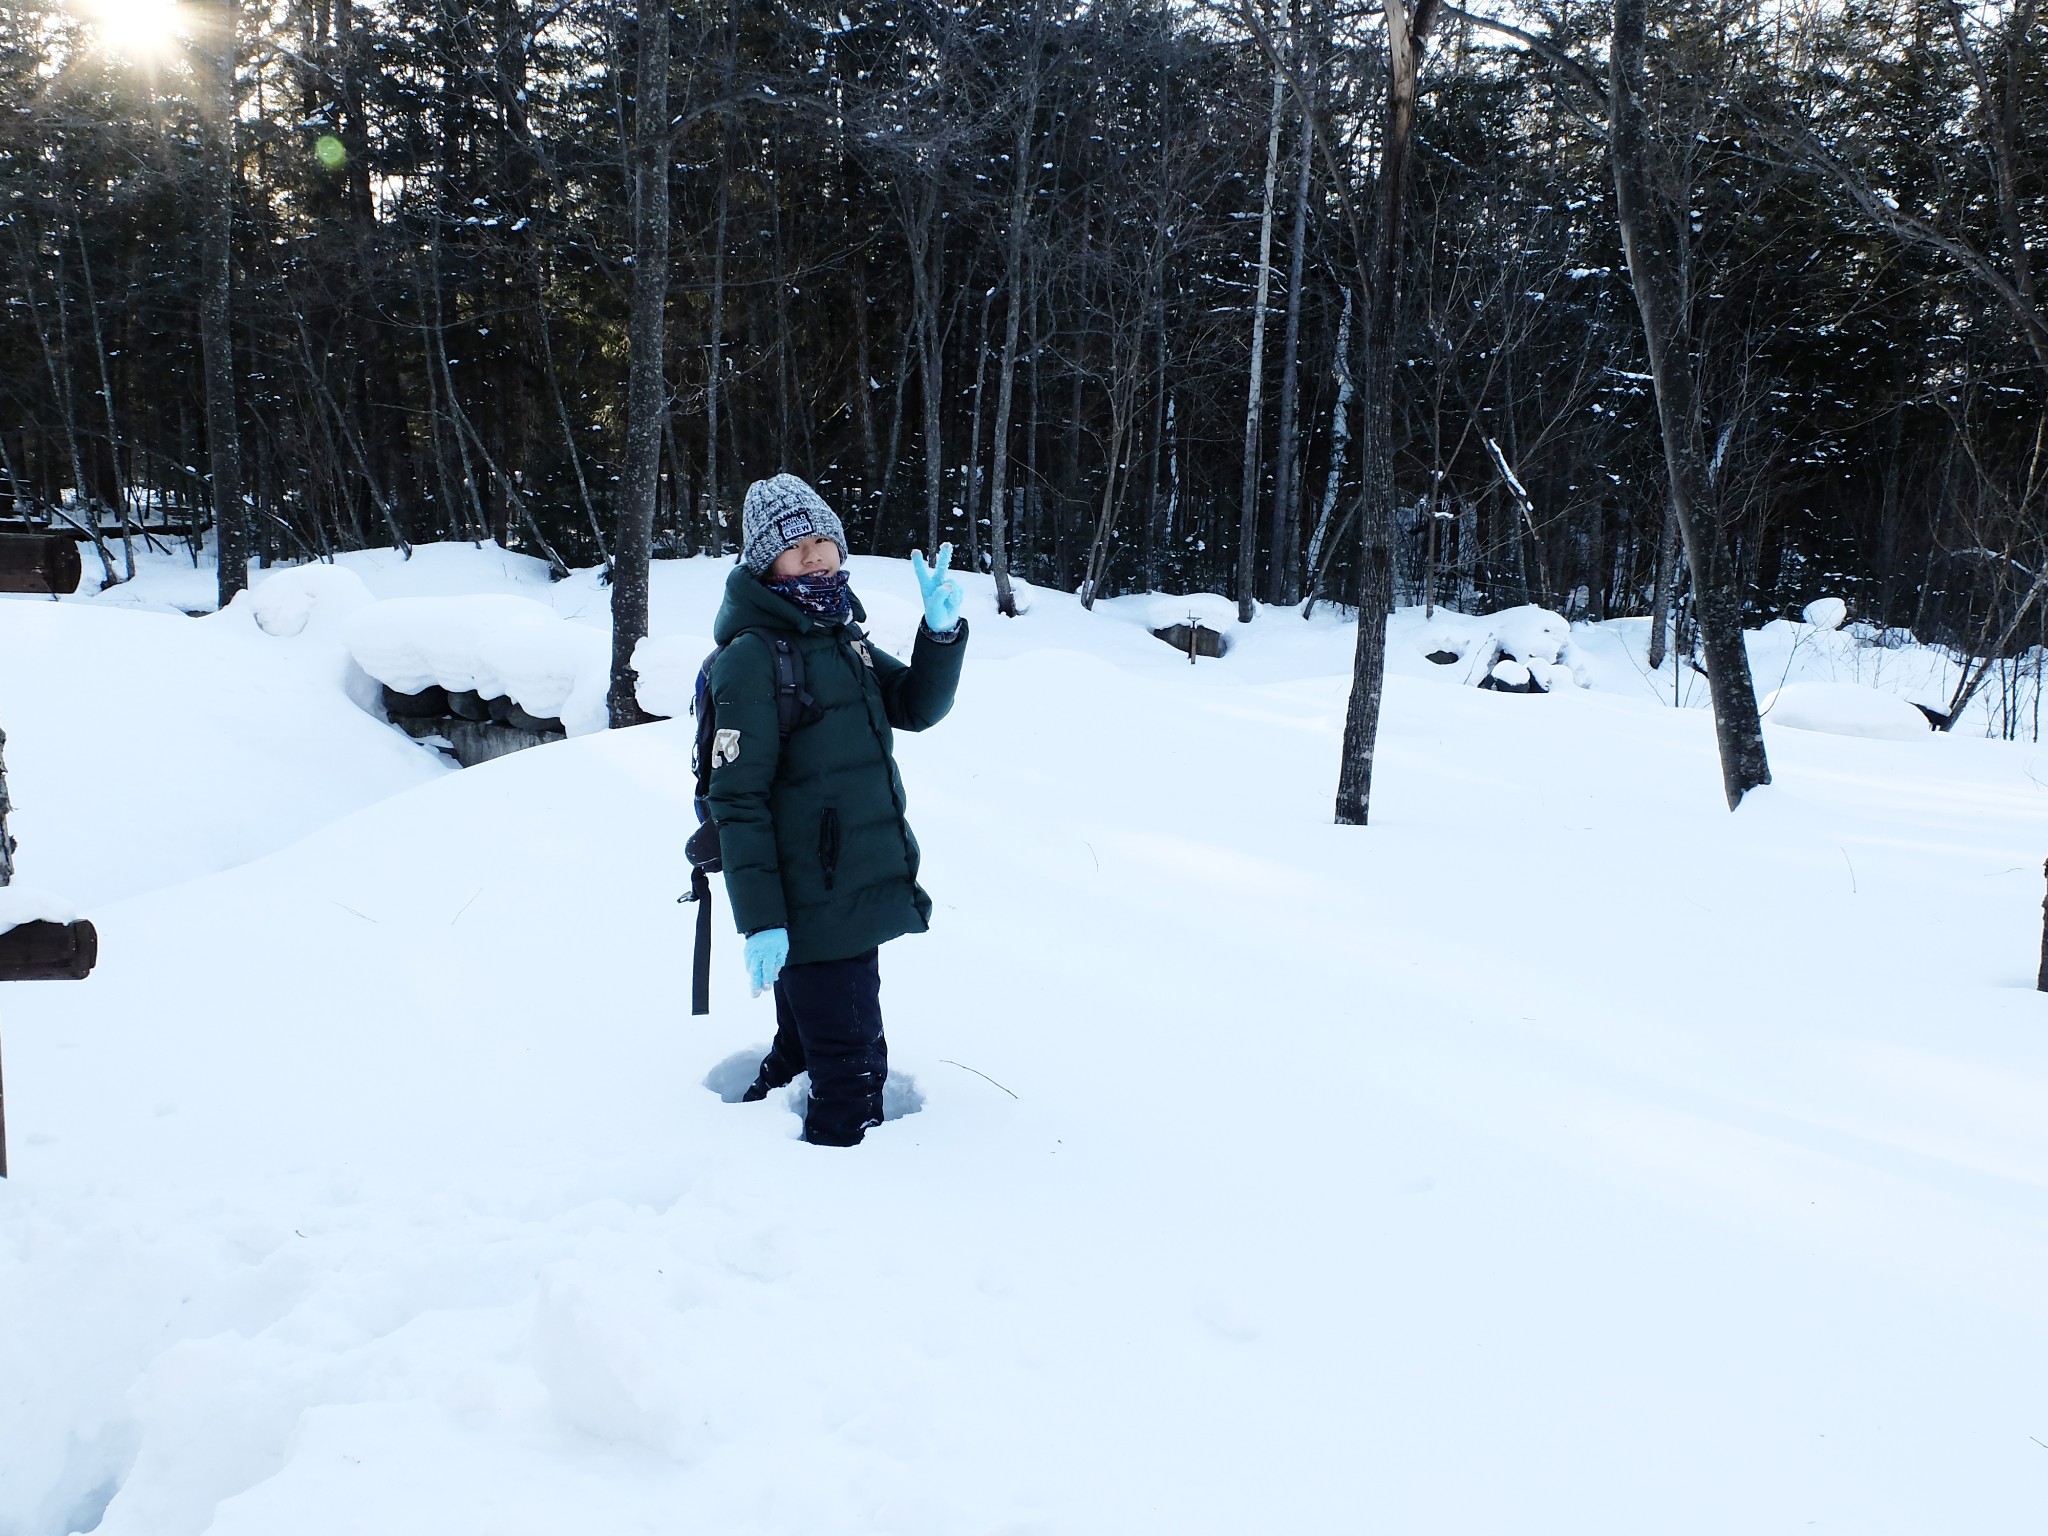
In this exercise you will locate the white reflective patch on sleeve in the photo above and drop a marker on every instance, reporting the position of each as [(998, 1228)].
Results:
[(725, 748)]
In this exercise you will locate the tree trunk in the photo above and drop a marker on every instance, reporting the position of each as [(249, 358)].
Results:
[(56, 364), (1663, 587), (1286, 549), (1156, 448), (99, 349), (895, 452), (1659, 284), (714, 377), (1405, 33), (1340, 438), (864, 386), (1006, 373), (646, 386), (714, 374), (1248, 497), (928, 272), (973, 487), (216, 60)]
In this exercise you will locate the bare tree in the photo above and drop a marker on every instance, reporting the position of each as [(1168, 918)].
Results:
[(1248, 500), (1649, 220), (1340, 438), (646, 386), (1663, 300), (215, 59), (1025, 109), (1377, 245), (1286, 548)]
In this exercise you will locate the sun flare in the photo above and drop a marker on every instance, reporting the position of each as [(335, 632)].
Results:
[(139, 26)]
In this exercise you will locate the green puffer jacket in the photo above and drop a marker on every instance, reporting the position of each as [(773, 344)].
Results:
[(811, 829)]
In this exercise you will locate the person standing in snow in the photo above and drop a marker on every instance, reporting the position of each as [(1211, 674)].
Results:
[(820, 865)]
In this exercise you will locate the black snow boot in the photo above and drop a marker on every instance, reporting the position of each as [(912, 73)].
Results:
[(776, 1072), (785, 1058)]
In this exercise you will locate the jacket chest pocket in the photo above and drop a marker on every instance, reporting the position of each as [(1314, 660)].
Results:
[(828, 845)]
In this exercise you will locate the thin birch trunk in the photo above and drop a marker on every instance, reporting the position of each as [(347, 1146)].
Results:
[(60, 391), (714, 377), (930, 374), (974, 438), (1248, 499), (547, 352), (895, 447), (1006, 374), (1340, 439), (99, 351), (864, 386), (1286, 530)]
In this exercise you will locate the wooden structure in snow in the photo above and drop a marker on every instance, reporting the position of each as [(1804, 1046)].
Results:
[(469, 728), (39, 562)]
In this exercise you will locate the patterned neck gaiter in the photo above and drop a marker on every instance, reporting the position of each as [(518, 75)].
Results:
[(825, 597)]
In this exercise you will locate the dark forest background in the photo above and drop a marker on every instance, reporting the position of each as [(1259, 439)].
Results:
[(431, 265)]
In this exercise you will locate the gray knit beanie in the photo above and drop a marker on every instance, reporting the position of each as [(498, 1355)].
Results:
[(781, 513)]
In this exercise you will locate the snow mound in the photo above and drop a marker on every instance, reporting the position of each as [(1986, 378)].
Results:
[(667, 667), (497, 645), (1845, 709), (1826, 613), (285, 601), (1206, 608), (25, 904), (1531, 634), (1529, 641)]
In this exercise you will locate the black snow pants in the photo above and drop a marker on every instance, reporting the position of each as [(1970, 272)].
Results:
[(828, 1021)]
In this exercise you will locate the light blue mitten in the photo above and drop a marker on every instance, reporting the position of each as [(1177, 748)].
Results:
[(767, 953), (942, 596)]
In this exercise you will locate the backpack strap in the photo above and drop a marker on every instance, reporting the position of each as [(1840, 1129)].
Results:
[(793, 706)]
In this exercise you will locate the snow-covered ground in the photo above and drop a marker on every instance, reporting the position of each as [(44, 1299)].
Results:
[(1559, 1154)]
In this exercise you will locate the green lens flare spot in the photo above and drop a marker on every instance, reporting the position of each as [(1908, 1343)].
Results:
[(330, 152)]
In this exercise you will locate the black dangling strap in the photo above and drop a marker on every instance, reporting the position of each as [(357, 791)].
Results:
[(700, 965)]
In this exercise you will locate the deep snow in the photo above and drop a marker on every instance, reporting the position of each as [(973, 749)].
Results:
[(1560, 1153)]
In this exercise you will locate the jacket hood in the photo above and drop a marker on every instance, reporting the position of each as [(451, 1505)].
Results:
[(749, 604)]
